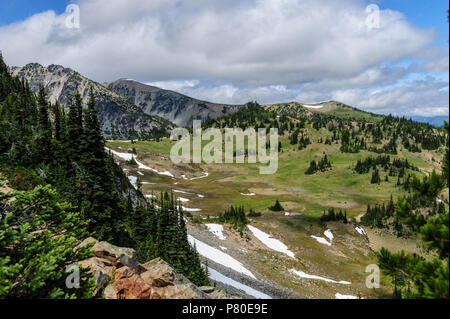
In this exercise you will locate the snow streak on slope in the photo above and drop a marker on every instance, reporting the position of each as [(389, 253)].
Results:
[(128, 157), (302, 274), (219, 257), (270, 242), (217, 276), (340, 296)]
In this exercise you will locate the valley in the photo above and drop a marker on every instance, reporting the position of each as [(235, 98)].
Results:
[(317, 267)]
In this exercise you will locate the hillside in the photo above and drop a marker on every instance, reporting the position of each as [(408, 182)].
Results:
[(118, 117), (175, 107), (333, 108), (67, 187)]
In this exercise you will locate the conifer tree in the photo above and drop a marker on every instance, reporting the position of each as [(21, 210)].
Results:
[(44, 134)]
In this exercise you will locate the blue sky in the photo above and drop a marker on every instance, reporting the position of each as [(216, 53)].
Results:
[(241, 50), (427, 14), (16, 10)]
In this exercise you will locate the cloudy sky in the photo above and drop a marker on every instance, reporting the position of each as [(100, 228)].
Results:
[(234, 51)]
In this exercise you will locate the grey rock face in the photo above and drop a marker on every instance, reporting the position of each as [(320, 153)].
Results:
[(118, 117), (175, 107)]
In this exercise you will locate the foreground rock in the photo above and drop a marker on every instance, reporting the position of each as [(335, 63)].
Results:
[(120, 275)]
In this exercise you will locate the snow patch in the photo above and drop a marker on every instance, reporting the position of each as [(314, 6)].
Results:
[(205, 174), (128, 156), (219, 257), (302, 274), (217, 276), (133, 181), (187, 209), (312, 106), (270, 242), (182, 192), (329, 235), (249, 194), (291, 214), (140, 173), (340, 296), (182, 199), (217, 230), (324, 241), (360, 230)]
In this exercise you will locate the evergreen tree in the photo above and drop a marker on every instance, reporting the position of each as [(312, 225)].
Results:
[(44, 134)]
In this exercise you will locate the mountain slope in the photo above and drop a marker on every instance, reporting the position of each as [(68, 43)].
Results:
[(175, 107), (333, 108), (118, 117)]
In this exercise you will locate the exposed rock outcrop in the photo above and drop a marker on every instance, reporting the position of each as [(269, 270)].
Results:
[(120, 275)]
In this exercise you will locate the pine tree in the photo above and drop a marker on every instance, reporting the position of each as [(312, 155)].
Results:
[(44, 135), (75, 128)]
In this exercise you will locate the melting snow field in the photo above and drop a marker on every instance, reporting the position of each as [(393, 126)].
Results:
[(182, 192), (291, 214), (324, 241), (329, 235), (217, 276), (321, 240), (182, 199), (271, 242), (205, 174), (302, 274), (313, 106), (219, 257), (187, 209), (133, 181), (217, 230), (339, 296), (128, 156), (360, 230)]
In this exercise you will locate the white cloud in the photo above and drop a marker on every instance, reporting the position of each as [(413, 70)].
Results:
[(230, 51)]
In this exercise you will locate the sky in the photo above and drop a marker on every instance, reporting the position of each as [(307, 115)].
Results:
[(237, 51)]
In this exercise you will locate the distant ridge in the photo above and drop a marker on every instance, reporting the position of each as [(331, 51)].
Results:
[(175, 107)]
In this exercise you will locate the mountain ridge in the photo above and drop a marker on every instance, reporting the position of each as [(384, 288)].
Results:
[(176, 107), (118, 117)]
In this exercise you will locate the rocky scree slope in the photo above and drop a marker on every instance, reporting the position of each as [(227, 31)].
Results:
[(175, 107)]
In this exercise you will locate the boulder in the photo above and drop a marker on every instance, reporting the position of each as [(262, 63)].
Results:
[(132, 287), (119, 256), (207, 289), (123, 277), (158, 273), (110, 292), (101, 268)]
